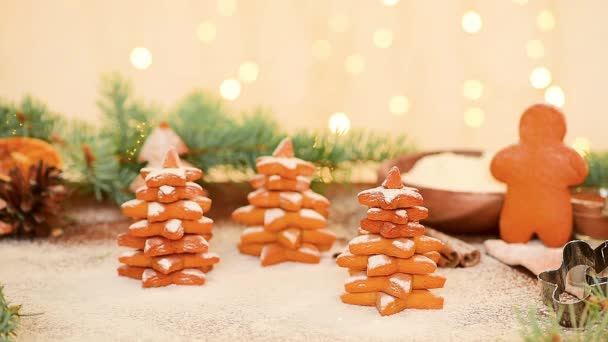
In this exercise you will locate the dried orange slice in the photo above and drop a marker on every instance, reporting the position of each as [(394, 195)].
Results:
[(25, 152)]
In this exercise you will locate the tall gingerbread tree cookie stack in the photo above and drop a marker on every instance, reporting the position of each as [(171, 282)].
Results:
[(391, 262), (170, 235), (286, 219)]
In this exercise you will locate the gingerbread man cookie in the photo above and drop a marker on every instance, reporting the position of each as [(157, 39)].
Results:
[(538, 172)]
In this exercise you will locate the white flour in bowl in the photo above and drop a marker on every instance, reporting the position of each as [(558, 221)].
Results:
[(454, 172)]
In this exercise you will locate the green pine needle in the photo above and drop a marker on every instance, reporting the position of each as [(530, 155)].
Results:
[(593, 325), (598, 169), (9, 318)]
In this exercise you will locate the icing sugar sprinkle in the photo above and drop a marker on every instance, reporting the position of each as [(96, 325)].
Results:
[(139, 224), (273, 214), (309, 251), (127, 254), (174, 225), (405, 284), (252, 230), (289, 163), (148, 273), (404, 245), (291, 197), (164, 263), (194, 185), (192, 206), (356, 277), (290, 236), (132, 203), (311, 214), (401, 213), (193, 272), (365, 239), (178, 172), (167, 189), (385, 300), (376, 261), (155, 209)]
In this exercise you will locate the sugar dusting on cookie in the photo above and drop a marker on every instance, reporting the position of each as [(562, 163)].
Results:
[(404, 283), (356, 277), (311, 214), (174, 226), (166, 189), (403, 244), (379, 260), (155, 209), (309, 251), (192, 206), (365, 239), (164, 263), (272, 215)]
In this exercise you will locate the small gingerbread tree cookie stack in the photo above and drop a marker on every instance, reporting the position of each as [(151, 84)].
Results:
[(391, 262), (286, 218), (170, 235)]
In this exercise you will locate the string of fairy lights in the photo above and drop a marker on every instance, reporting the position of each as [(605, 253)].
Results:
[(540, 76)]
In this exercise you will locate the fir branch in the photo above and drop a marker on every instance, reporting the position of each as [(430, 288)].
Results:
[(9, 318), (598, 169), (126, 121), (29, 118), (91, 164), (217, 138)]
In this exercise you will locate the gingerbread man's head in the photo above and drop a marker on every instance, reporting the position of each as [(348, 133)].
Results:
[(542, 124)]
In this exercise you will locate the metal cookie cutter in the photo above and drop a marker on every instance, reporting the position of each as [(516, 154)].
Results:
[(553, 283)]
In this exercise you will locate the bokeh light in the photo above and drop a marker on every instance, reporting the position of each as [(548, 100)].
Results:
[(545, 20), (383, 38), (540, 77), (472, 89), (226, 7), (339, 123), (321, 49), (399, 105), (248, 72), (474, 117), (141, 58), (354, 64), (535, 49), (206, 32), (555, 95), (390, 2), (471, 22), (230, 89), (582, 145)]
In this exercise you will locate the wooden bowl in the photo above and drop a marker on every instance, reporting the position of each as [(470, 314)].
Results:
[(453, 211)]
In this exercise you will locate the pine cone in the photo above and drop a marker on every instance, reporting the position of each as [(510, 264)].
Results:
[(32, 202)]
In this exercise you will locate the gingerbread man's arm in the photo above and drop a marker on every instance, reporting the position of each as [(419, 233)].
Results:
[(502, 160), (578, 168)]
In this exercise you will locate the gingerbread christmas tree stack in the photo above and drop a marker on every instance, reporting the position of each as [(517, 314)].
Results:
[(170, 235), (286, 218), (391, 262)]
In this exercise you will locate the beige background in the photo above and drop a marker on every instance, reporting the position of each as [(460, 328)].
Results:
[(57, 50)]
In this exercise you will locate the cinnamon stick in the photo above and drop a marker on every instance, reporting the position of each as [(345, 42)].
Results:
[(455, 251)]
